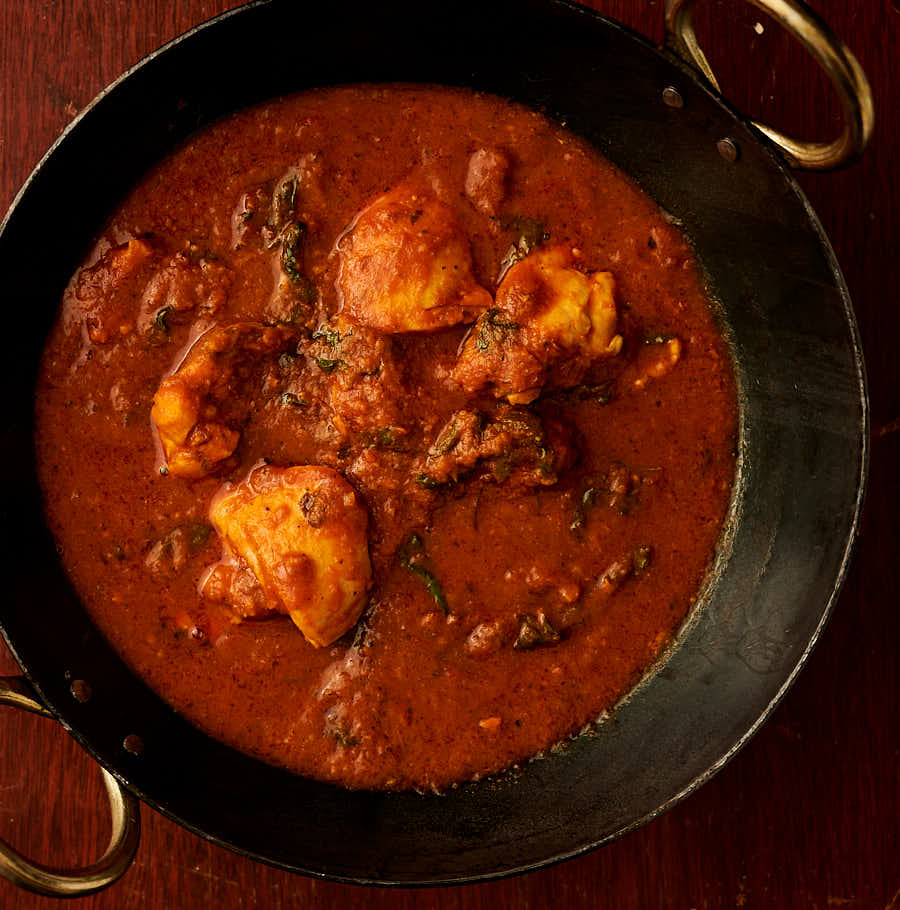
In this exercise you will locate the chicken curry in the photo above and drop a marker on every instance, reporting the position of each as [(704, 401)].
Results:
[(388, 433)]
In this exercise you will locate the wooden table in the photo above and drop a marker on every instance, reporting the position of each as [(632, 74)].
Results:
[(807, 815)]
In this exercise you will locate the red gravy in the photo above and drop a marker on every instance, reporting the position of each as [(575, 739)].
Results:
[(522, 577)]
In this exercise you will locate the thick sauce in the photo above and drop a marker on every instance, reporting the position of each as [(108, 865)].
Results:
[(516, 593)]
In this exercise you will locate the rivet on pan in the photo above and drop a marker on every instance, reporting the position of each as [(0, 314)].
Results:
[(133, 744), (672, 97), (729, 149), (81, 691)]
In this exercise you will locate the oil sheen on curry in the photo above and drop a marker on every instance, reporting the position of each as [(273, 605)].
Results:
[(388, 433)]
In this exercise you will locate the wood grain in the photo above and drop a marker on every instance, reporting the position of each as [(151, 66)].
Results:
[(807, 816)]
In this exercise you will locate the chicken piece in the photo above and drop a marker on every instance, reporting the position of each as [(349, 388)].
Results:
[(486, 180), (406, 266), (185, 283), (197, 411), (550, 322), (105, 294), (660, 354), (295, 542), (516, 445), (363, 376)]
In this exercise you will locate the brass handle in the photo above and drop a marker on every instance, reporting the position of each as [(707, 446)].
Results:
[(126, 826), (833, 56)]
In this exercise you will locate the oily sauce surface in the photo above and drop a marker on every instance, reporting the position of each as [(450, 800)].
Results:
[(555, 593)]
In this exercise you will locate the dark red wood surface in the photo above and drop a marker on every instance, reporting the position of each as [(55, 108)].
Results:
[(808, 815)]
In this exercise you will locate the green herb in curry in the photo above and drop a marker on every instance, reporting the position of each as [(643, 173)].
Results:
[(492, 329), (384, 438), (291, 251), (289, 399), (411, 555), (160, 323), (328, 365), (531, 233), (330, 336)]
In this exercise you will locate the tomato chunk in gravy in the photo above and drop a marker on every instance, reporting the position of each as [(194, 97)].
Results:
[(388, 433)]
